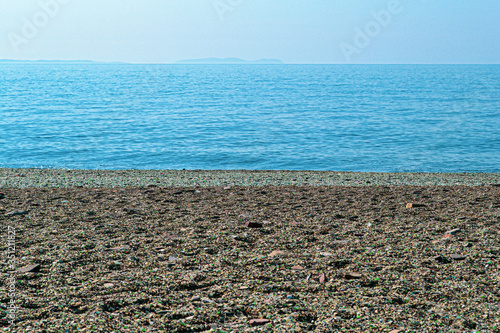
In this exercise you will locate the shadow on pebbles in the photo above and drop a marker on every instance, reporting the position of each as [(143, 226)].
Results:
[(252, 259)]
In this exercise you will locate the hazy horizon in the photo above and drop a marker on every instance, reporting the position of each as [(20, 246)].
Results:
[(295, 32)]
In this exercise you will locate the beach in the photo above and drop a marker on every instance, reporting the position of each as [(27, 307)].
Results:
[(249, 251)]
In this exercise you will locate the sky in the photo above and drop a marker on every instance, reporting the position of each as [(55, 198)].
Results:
[(294, 31)]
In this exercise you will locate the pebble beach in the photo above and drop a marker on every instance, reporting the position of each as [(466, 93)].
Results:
[(249, 251)]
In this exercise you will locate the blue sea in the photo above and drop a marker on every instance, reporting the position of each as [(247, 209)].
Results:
[(379, 118)]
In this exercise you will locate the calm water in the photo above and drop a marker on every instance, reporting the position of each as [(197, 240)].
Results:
[(299, 117)]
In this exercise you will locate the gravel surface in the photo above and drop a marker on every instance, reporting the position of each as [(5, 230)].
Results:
[(249, 259), (162, 178)]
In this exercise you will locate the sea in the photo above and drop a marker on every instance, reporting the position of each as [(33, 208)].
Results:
[(369, 118)]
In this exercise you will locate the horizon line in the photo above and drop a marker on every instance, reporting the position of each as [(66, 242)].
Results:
[(180, 62)]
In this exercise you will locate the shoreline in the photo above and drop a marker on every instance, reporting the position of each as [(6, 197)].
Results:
[(31, 177)]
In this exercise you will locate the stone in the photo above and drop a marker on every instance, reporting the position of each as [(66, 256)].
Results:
[(29, 269), (227, 187), (173, 258), (396, 331), (352, 276), (326, 254), (441, 259), (453, 231), (414, 205), (109, 285), (341, 242), (446, 237), (322, 278), (195, 298), (276, 253), (253, 225), (457, 257), (118, 248), (297, 267), (131, 211), (17, 213), (206, 300), (258, 322), (115, 265)]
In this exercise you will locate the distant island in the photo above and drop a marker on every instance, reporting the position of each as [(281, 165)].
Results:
[(229, 61)]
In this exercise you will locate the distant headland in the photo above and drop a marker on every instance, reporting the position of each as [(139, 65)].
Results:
[(58, 61), (229, 61), (203, 61)]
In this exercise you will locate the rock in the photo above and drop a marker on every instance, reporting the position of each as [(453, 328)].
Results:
[(396, 331), (322, 278), (131, 211), (457, 256), (173, 258), (352, 276), (441, 259), (17, 213), (341, 242), (445, 238), (161, 312), (258, 322), (326, 254), (453, 231), (195, 298), (29, 269), (297, 267), (109, 285), (414, 205), (276, 253), (206, 300), (253, 225), (118, 248), (227, 187), (115, 265)]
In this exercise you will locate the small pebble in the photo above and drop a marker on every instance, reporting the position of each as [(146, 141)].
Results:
[(351, 276), (258, 322)]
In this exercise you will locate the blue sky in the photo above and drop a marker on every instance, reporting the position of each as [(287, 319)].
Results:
[(295, 31)]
